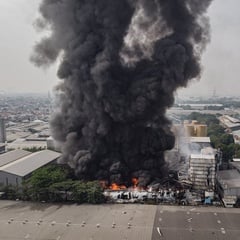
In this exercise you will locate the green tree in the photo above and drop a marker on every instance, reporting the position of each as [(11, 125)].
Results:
[(88, 192), (60, 191), (34, 149), (38, 184), (94, 192), (79, 192)]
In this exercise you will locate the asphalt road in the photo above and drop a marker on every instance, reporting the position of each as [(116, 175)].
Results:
[(200, 223)]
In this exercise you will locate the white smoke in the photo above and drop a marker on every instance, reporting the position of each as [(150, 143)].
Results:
[(143, 32)]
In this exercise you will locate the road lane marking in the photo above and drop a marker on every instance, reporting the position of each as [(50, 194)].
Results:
[(218, 221), (223, 231), (159, 231)]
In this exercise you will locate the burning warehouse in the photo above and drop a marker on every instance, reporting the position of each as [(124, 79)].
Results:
[(121, 63)]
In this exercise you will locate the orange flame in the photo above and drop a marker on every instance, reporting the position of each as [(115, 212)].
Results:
[(135, 182), (114, 186)]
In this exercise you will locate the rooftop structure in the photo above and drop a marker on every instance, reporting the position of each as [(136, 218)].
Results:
[(14, 172), (30, 163), (195, 129), (229, 179), (12, 156), (22, 143), (235, 164), (228, 186), (200, 106), (232, 124)]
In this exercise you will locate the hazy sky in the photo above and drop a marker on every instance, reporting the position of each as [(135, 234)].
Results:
[(221, 60)]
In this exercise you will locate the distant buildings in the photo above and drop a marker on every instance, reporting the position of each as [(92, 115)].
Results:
[(230, 123), (28, 135), (25, 123), (200, 106)]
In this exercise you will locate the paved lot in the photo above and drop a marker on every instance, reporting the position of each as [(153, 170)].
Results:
[(200, 223), (24, 220), (20, 220)]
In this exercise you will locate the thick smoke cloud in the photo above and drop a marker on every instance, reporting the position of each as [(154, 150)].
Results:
[(121, 63)]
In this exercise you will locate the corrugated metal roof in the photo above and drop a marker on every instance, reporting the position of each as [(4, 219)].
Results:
[(12, 156), (236, 165), (229, 178), (28, 164), (228, 174)]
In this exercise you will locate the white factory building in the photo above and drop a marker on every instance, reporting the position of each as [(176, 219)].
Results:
[(15, 166), (193, 157), (202, 171)]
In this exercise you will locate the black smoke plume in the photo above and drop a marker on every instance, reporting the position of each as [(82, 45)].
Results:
[(121, 62)]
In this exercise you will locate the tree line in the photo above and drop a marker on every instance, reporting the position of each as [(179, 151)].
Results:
[(54, 183)]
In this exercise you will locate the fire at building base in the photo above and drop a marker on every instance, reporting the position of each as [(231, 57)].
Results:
[(192, 168)]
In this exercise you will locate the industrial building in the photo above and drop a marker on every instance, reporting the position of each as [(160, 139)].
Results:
[(193, 157), (228, 186), (202, 171), (27, 135), (12, 156), (195, 129), (13, 172), (235, 164), (201, 106), (230, 123)]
